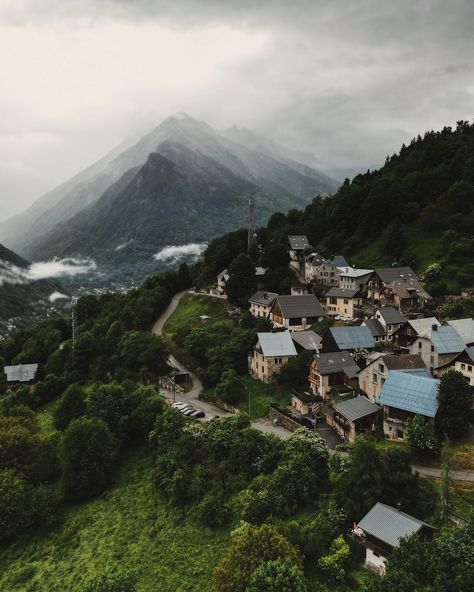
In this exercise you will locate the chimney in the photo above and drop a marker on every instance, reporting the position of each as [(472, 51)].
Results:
[(434, 327)]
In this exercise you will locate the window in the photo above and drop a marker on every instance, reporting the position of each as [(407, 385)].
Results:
[(463, 366), (469, 368), (420, 345), (346, 301), (432, 348), (374, 378), (381, 368), (390, 327)]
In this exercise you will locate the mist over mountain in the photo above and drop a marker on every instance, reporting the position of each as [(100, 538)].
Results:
[(180, 183)]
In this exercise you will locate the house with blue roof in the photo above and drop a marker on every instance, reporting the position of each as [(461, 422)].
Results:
[(439, 346), (404, 395), (348, 338)]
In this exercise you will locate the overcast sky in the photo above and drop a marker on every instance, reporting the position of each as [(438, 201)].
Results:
[(347, 80)]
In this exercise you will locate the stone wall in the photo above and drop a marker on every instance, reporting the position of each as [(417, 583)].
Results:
[(218, 403), (284, 420)]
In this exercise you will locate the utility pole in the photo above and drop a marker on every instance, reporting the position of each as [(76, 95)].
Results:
[(250, 221), (75, 328)]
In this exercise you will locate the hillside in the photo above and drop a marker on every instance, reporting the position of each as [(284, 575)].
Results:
[(209, 160), (417, 209)]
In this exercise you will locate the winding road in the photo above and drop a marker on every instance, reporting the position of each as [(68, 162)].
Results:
[(192, 397)]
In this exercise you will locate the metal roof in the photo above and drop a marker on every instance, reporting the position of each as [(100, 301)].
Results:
[(260, 271), (423, 326), (340, 293), (446, 340), (298, 242), (277, 344), (403, 361), (391, 274), (390, 315), (352, 337), (410, 392), (225, 273), (470, 352), (390, 525), (376, 327), (465, 328), (300, 305), (315, 259), (354, 409), (262, 297), (353, 272), (20, 373), (334, 362), (338, 261), (307, 339)]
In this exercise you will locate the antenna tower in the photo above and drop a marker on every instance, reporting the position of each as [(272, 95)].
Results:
[(75, 328), (250, 222)]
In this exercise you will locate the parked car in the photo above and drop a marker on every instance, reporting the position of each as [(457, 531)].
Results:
[(197, 414), (188, 412)]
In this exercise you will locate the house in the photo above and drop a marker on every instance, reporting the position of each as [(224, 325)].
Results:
[(348, 338), (322, 270), (377, 329), (398, 286), (269, 354), (464, 363), (465, 328), (312, 263), (352, 417), (305, 402), (438, 347), (381, 530), (298, 246), (21, 372), (261, 303), (333, 373), (343, 302), (306, 341), (351, 278), (224, 276), (407, 334), (403, 396), (379, 365), (391, 320), (297, 312)]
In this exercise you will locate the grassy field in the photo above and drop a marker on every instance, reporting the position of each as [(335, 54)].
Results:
[(190, 308), (127, 526)]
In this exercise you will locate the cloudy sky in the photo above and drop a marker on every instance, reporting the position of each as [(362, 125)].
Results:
[(348, 80)]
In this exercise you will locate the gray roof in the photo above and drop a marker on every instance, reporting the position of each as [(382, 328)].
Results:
[(277, 344), (300, 305), (469, 351), (340, 293), (376, 327), (403, 362), (391, 274), (225, 273), (20, 373), (354, 272), (446, 340), (298, 242), (334, 362), (352, 337), (315, 259), (410, 392), (390, 525), (357, 408), (391, 315), (307, 339), (262, 297), (338, 261), (465, 328), (423, 326)]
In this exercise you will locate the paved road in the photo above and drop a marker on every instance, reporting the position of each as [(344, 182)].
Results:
[(265, 425)]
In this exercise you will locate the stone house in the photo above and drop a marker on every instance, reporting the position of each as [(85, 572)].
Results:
[(224, 276), (296, 312), (381, 530), (298, 246), (403, 396), (333, 373), (438, 347), (378, 367), (261, 303), (271, 351), (353, 417), (351, 278), (343, 302)]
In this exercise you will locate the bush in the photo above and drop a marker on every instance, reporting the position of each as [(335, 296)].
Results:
[(277, 576), (70, 406)]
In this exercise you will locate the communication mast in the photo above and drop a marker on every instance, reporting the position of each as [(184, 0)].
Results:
[(75, 328), (251, 234)]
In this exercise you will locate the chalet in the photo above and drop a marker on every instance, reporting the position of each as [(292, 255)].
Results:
[(379, 365), (296, 313), (333, 373), (348, 338), (438, 347), (407, 334), (298, 246), (403, 396), (21, 372), (269, 354), (397, 286), (353, 417), (391, 320), (343, 302), (351, 278), (380, 531), (224, 276), (465, 328), (261, 303), (306, 341)]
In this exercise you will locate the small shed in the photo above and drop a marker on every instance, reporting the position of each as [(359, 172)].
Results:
[(352, 417), (21, 372)]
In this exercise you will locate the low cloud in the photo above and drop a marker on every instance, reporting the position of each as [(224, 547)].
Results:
[(175, 253), (56, 268), (57, 296)]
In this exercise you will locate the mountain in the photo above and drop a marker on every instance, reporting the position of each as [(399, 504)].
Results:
[(198, 189), (20, 297)]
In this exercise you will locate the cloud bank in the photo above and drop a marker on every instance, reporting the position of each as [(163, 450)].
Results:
[(175, 253), (56, 268)]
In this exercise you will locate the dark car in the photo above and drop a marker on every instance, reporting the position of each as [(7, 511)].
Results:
[(198, 414)]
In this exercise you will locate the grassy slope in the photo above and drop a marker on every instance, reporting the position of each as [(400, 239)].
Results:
[(128, 526)]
